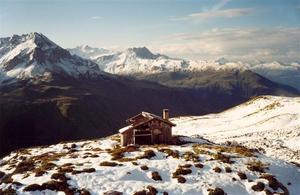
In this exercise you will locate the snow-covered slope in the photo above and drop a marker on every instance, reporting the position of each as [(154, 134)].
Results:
[(102, 167), (32, 55), (268, 122)]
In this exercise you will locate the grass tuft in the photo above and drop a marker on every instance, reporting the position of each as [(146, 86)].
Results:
[(228, 170), (181, 171), (144, 167), (258, 187), (256, 165), (199, 165), (156, 176), (169, 152), (108, 164), (217, 169), (181, 179), (242, 175), (216, 191)]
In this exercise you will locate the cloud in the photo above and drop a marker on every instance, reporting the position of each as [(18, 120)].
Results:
[(216, 11), (96, 17), (220, 5), (227, 13), (244, 44)]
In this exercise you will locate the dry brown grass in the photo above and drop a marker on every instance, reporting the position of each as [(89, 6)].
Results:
[(8, 191), (274, 183), (216, 191), (1, 174), (59, 176), (6, 179), (111, 192), (151, 190), (156, 176), (228, 170), (217, 169), (181, 171), (142, 192), (148, 154), (96, 149), (66, 168), (144, 167), (199, 149), (190, 156), (117, 153), (242, 175), (199, 165), (109, 164), (33, 187), (222, 157), (43, 168), (60, 183), (125, 159), (185, 166), (116, 138), (86, 170), (256, 165), (181, 179), (241, 150), (24, 166), (169, 152), (38, 164), (258, 187)]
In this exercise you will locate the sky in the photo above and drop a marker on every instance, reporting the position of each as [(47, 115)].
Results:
[(246, 30)]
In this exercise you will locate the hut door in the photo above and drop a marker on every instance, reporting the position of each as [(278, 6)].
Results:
[(157, 136)]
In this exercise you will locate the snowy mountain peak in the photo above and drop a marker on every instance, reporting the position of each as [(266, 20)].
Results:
[(34, 55), (32, 40), (42, 41), (142, 52)]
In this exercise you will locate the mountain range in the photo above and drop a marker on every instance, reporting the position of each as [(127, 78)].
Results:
[(142, 61), (47, 94)]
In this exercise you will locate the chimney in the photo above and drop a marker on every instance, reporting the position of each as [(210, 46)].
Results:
[(166, 114)]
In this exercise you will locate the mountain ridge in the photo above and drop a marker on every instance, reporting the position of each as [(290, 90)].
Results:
[(34, 55), (124, 62)]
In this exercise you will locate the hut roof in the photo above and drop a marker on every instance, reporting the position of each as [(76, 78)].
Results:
[(145, 117)]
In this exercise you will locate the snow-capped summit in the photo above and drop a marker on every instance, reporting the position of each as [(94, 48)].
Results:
[(138, 60), (33, 55), (141, 52), (12, 46)]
